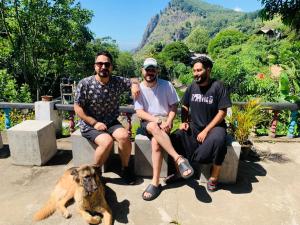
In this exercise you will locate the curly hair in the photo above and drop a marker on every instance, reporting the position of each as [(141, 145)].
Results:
[(206, 61)]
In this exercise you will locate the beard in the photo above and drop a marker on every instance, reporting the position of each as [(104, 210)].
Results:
[(200, 79), (150, 79), (103, 73)]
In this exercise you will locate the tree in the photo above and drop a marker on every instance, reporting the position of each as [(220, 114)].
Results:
[(287, 9), (125, 65), (47, 40), (198, 40), (176, 51), (225, 39), (172, 54), (183, 73), (9, 90)]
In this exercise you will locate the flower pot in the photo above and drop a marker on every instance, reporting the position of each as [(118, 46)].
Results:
[(245, 150), (47, 98)]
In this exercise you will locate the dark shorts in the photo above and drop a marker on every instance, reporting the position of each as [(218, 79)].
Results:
[(143, 129), (93, 133)]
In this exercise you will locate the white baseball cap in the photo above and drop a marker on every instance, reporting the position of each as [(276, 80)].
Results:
[(149, 62)]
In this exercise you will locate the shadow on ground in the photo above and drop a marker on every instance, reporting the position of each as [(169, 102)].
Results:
[(247, 173), (120, 210), (4, 152), (62, 157)]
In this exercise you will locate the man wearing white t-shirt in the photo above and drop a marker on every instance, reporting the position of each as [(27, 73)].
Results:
[(156, 106)]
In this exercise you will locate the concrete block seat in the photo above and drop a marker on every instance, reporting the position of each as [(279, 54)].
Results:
[(32, 142), (229, 167), (83, 152), (143, 162), (82, 149), (142, 158)]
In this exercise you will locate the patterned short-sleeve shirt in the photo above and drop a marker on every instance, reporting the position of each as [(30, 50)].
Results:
[(100, 101)]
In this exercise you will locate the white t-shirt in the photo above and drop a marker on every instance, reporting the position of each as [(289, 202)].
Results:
[(157, 100)]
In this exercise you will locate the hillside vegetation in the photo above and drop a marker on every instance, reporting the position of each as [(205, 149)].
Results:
[(181, 17)]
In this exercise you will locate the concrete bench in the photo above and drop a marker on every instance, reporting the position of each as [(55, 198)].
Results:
[(83, 151), (229, 167), (32, 142), (142, 158), (143, 162)]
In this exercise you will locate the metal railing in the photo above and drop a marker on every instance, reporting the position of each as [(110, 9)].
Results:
[(128, 111)]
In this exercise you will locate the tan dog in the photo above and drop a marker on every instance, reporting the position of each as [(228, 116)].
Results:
[(84, 185)]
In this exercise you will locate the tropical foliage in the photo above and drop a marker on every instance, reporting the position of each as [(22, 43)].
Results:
[(288, 10), (243, 120)]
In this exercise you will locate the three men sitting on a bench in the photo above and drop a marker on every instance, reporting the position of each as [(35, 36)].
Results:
[(201, 140)]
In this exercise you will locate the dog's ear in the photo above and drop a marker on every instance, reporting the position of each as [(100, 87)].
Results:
[(98, 170), (75, 174)]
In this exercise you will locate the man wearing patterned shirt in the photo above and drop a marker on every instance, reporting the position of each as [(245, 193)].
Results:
[(97, 102)]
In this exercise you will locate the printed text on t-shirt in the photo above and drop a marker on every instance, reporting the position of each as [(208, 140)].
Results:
[(201, 98)]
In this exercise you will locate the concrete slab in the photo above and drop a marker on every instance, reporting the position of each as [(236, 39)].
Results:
[(229, 167), (32, 142), (45, 110), (266, 192), (143, 158)]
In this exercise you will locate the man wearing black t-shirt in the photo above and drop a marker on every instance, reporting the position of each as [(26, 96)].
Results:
[(201, 135)]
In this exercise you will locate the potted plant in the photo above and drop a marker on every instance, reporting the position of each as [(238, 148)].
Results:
[(289, 89), (47, 98), (242, 121)]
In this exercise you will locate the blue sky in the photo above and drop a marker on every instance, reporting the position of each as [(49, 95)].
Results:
[(126, 20)]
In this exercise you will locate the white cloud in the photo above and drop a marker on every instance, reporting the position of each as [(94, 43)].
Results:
[(238, 9)]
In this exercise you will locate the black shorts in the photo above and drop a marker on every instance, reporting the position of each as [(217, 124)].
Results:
[(143, 129), (93, 133)]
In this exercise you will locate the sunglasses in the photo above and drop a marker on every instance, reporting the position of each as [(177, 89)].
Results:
[(150, 70), (100, 64)]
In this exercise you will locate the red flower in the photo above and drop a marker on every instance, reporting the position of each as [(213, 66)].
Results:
[(260, 76)]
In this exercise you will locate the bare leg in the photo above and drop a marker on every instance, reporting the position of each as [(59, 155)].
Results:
[(215, 173), (104, 142), (157, 158), (102, 207), (62, 202), (90, 219), (106, 212), (164, 141), (122, 137)]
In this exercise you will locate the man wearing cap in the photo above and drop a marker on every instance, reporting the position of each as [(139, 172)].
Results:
[(97, 105), (202, 139), (156, 106)]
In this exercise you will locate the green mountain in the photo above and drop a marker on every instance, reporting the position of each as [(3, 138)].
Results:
[(180, 17)]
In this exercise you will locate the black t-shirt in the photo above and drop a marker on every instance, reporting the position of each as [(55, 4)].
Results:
[(204, 102)]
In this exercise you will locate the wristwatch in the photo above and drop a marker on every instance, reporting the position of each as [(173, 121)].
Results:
[(159, 121)]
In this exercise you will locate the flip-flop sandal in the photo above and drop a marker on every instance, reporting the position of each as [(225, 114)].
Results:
[(153, 190), (184, 166)]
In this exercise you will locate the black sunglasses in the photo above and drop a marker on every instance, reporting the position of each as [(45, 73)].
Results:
[(100, 64)]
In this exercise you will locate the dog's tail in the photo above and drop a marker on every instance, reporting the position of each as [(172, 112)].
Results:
[(47, 210)]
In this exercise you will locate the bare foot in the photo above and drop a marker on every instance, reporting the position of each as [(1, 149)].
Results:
[(179, 160)]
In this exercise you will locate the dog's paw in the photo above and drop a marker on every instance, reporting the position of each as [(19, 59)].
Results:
[(67, 215), (95, 220)]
